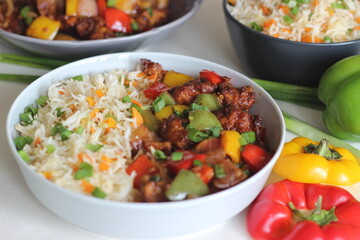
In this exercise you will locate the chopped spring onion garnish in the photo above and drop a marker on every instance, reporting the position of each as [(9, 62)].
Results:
[(160, 155), (20, 142), (24, 156), (98, 193), (77, 78), (197, 163), (126, 99), (85, 170), (50, 148), (42, 100), (176, 156), (219, 171), (93, 147), (158, 104), (247, 137)]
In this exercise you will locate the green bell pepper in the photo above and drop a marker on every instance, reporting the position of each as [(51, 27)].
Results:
[(339, 89)]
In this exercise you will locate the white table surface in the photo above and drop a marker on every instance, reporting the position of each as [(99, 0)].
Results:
[(21, 214)]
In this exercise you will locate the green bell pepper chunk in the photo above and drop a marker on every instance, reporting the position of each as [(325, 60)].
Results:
[(203, 120), (339, 89), (208, 100), (186, 184), (150, 121)]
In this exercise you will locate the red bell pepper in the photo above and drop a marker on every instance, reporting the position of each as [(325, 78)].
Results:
[(155, 90), (101, 4), (117, 20), (289, 210), (186, 162), (256, 157), (211, 76), (141, 166), (205, 172)]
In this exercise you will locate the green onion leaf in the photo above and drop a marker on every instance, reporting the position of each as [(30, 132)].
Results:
[(24, 156), (136, 106), (158, 154), (65, 135), (197, 163), (288, 19), (176, 156), (126, 99), (158, 104), (194, 106), (219, 171), (328, 39), (85, 170), (79, 130), (98, 193), (215, 131), (197, 136), (25, 118), (150, 11), (42, 100), (93, 147), (294, 10), (77, 78), (58, 111), (32, 110), (134, 26), (20, 142), (247, 137), (50, 148), (25, 14), (256, 27)]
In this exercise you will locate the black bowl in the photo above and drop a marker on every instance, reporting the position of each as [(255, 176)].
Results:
[(286, 61)]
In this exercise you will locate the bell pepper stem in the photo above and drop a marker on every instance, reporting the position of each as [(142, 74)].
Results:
[(301, 128), (323, 149)]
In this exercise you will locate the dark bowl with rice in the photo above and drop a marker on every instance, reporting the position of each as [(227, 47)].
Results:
[(276, 59)]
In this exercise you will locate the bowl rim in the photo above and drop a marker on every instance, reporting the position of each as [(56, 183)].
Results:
[(130, 38), (263, 35), (139, 205)]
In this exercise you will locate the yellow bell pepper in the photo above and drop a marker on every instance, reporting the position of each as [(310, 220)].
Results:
[(169, 110), (127, 6), (231, 143), (44, 28), (71, 7), (174, 79), (303, 160)]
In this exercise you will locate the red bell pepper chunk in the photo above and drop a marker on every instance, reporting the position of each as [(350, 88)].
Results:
[(205, 172), (271, 217), (101, 7), (141, 166), (155, 90), (117, 20), (256, 157), (186, 162), (211, 76)]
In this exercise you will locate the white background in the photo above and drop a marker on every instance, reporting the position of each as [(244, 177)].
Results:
[(23, 217)]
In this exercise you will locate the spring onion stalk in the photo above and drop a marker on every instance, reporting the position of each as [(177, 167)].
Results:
[(34, 62), (301, 95), (17, 78), (301, 128)]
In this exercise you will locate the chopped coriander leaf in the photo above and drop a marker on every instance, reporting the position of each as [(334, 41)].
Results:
[(126, 99), (50, 148), (247, 137), (93, 147), (98, 193), (85, 170), (288, 19), (77, 78), (158, 154), (256, 27), (176, 156), (219, 171), (79, 130), (20, 142), (24, 156), (158, 104), (58, 111), (197, 136), (194, 106), (42, 100), (197, 163)]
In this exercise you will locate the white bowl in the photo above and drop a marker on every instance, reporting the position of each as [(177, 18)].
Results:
[(125, 219), (181, 11)]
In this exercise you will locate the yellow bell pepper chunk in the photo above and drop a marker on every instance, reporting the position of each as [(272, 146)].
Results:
[(138, 118), (231, 143), (71, 7), (169, 110), (44, 28), (297, 165), (127, 6), (174, 79)]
